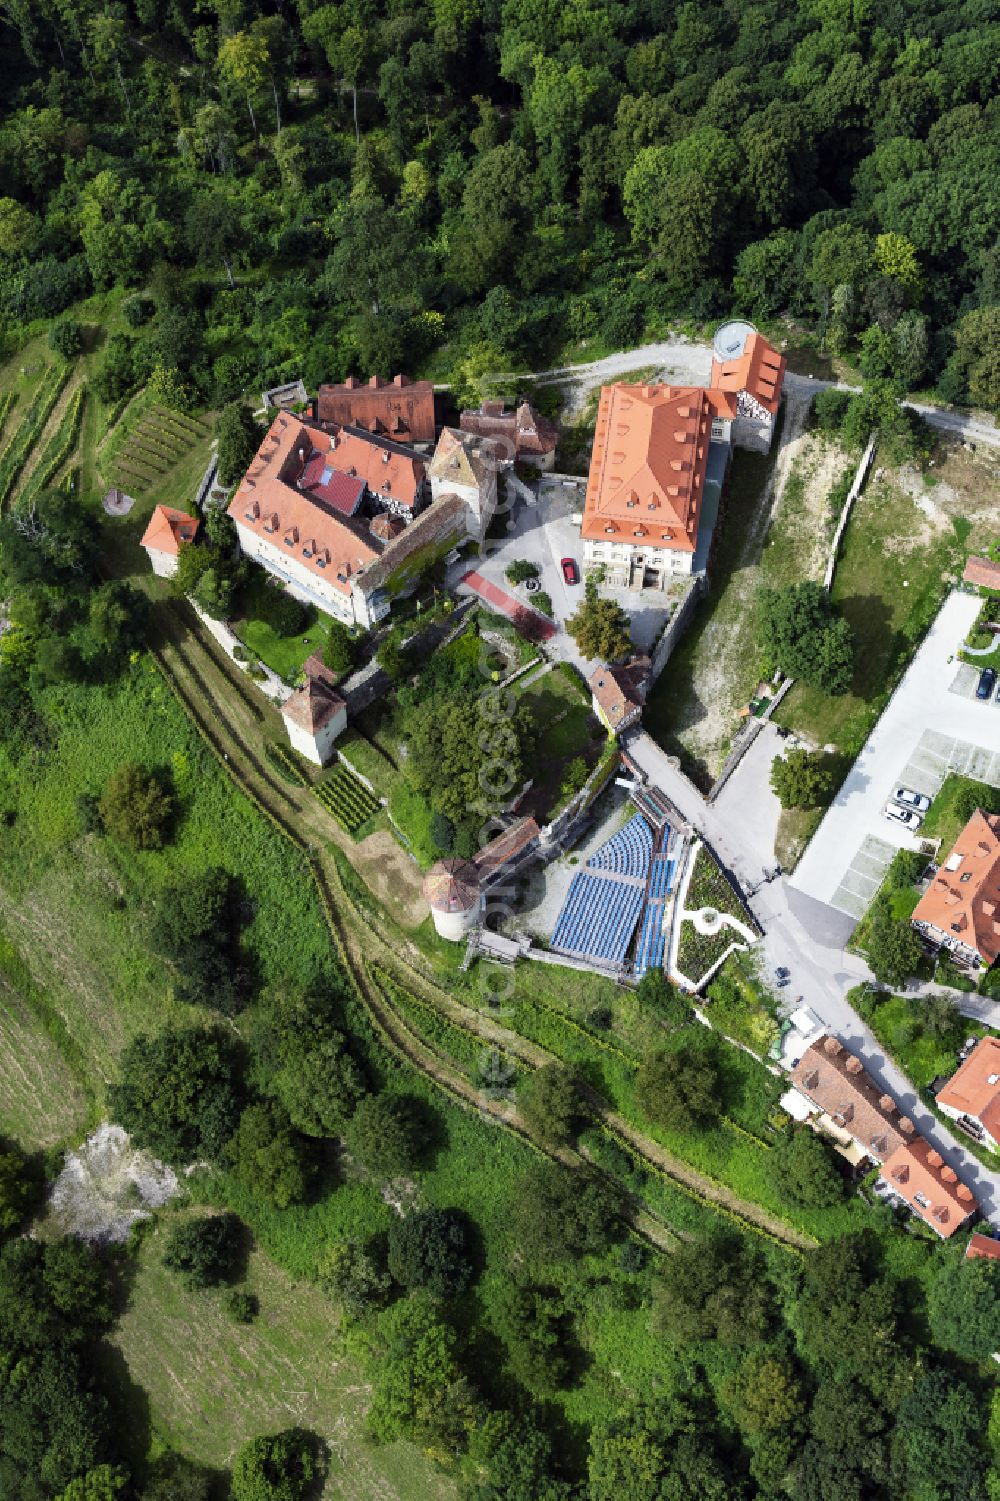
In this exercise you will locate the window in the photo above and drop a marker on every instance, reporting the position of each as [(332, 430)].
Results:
[(922, 1200)]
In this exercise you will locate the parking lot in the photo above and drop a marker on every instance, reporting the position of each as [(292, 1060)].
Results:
[(933, 724)]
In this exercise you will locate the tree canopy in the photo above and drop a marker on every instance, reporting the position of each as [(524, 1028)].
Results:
[(802, 633)]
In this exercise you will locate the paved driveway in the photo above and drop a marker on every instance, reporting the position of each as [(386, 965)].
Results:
[(925, 730)]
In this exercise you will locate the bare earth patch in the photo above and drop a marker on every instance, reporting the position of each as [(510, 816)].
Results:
[(108, 1185)]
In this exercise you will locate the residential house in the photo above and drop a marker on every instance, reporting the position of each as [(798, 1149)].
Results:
[(920, 1177), (465, 464), (167, 532), (983, 573), (660, 458), (522, 436), (846, 1098), (315, 714), (971, 1096), (341, 518), (618, 694), (400, 409), (960, 910)]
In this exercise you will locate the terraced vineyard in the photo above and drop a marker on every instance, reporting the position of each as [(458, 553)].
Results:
[(59, 448), (147, 445), (19, 446), (347, 799)]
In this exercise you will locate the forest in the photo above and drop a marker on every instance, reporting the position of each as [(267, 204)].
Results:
[(211, 196), (469, 189)]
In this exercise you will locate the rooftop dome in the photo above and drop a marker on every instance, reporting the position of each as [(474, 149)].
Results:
[(731, 339), (452, 886)]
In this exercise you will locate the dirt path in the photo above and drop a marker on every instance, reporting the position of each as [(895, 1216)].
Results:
[(56, 415)]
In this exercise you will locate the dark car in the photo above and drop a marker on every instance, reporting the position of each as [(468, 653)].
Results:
[(987, 680), (570, 571)]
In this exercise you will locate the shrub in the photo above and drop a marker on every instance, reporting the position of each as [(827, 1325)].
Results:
[(66, 338), (269, 1157), (680, 1089), (388, 1133), (176, 1093), (429, 1248), (205, 1251), (136, 808), (242, 1307), (279, 1467)]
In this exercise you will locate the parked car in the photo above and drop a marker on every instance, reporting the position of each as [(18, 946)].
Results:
[(987, 682), (570, 571), (906, 816), (911, 799), (782, 975)]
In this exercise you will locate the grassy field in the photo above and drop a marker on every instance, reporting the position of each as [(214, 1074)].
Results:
[(567, 728), (208, 1395), (942, 820), (41, 1100)]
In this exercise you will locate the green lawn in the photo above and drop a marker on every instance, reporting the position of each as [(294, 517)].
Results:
[(889, 585), (942, 820), (258, 625), (567, 728)]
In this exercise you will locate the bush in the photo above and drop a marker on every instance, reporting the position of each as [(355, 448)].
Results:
[(388, 1133), (801, 780), (137, 310), (242, 1307), (548, 1102), (176, 1093), (205, 1251), (136, 808), (269, 1157), (679, 1090), (279, 1467), (66, 338), (430, 1248), (521, 570), (801, 1166), (830, 409)]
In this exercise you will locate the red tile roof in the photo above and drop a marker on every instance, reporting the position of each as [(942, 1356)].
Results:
[(505, 847), (168, 529), (452, 886), (268, 503), (400, 408), (647, 467), (341, 491), (759, 370), (317, 702), (963, 899), (920, 1175), (839, 1085), (621, 691), (983, 573), (982, 1247), (974, 1087), (525, 430)]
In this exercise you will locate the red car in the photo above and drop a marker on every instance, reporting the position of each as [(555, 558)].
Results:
[(570, 571)]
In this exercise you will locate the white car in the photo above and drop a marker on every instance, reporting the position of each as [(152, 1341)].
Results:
[(906, 816), (911, 799)]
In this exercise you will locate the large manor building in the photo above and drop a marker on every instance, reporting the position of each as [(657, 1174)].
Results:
[(660, 457)]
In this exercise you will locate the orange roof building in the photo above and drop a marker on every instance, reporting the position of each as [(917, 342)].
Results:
[(662, 452), (315, 714), (167, 532), (983, 573), (839, 1086), (972, 1094), (960, 910), (618, 693), (982, 1247), (400, 409), (524, 434), (919, 1175)]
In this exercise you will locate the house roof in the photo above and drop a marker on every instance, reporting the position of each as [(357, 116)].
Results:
[(391, 471), (974, 1087), (920, 1175), (314, 704), (440, 524), (983, 573), (387, 527), (837, 1083), (398, 408), (505, 847), (524, 428), (982, 1247), (269, 503), (963, 899), (452, 886), (463, 458), (343, 492), (619, 690), (168, 529), (647, 466), (759, 370)]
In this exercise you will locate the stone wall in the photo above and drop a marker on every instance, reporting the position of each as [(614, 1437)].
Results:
[(677, 625)]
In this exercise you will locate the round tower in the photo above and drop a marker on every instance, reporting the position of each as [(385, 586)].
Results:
[(452, 890)]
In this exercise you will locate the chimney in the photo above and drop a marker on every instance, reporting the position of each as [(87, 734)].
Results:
[(400, 380), (964, 1193), (949, 1175), (351, 384), (854, 1065), (901, 1174), (832, 1046), (934, 1159), (887, 1103), (906, 1125), (374, 383)]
